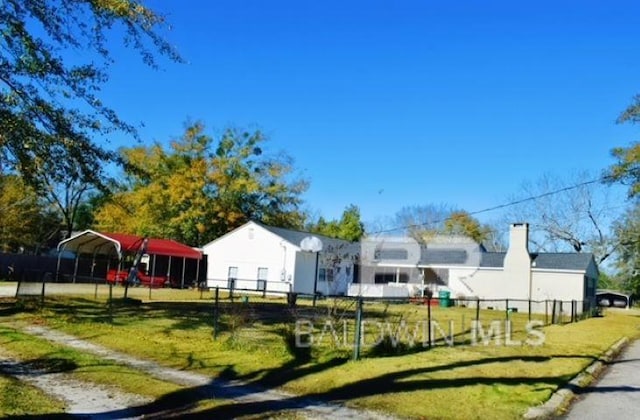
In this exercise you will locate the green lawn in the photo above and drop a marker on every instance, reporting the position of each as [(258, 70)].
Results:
[(18, 398), (254, 344)]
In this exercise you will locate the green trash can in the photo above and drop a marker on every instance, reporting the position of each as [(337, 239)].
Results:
[(444, 298)]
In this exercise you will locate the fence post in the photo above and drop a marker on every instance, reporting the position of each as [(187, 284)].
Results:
[(574, 311), (529, 309), (215, 313), (429, 321), (356, 347), (506, 307), (233, 285), (546, 312), (553, 312), (560, 312), (477, 309)]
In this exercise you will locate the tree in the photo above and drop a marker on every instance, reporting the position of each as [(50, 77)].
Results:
[(349, 227), (50, 112), (201, 188), (26, 223), (422, 222), (627, 232), (627, 168), (418, 221), (566, 215), (462, 223), (67, 196)]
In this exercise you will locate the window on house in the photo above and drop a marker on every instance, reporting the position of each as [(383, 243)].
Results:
[(263, 274), (390, 276), (325, 274), (232, 276)]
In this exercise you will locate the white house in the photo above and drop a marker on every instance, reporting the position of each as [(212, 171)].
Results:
[(264, 258), (468, 271)]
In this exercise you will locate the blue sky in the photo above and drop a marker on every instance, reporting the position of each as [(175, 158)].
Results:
[(388, 104)]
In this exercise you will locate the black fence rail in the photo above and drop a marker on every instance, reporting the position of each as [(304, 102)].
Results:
[(371, 326)]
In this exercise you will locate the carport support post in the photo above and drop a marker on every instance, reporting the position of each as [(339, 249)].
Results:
[(75, 267), (111, 302), (153, 270), (58, 263), (356, 346), (198, 273), (184, 264)]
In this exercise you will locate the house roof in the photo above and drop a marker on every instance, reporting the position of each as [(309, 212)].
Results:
[(295, 237), (91, 241), (546, 260), (611, 292), (443, 256)]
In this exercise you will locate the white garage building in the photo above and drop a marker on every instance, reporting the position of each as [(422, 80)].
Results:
[(269, 259)]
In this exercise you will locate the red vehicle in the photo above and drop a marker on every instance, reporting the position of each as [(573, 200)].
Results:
[(142, 279)]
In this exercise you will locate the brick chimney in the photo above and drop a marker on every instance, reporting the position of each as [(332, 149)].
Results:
[(517, 262)]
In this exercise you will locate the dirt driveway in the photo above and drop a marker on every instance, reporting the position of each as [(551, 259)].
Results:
[(90, 400)]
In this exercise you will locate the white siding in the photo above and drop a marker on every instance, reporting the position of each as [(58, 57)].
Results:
[(305, 268), (249, 248), (557, 285)]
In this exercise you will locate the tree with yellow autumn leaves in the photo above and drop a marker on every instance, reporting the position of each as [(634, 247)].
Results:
[(200, 187)]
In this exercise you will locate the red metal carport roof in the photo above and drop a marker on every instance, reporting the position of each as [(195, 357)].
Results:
[(90, 241)]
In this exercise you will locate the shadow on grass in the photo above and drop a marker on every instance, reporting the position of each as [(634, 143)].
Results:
[(242, 398)]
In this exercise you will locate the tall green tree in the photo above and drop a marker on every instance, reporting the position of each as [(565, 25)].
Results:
[(200, 188), (349, 227), (51, 117), (627, 166)]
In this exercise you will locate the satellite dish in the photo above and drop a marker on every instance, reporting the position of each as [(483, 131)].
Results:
[(311, 244)]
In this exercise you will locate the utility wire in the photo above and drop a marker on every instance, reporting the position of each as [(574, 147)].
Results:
[(602, 178)]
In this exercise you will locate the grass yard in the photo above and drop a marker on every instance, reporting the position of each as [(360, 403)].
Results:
[(20, 399), (255, 345)]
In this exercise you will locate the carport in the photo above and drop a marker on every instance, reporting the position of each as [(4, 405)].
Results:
[(117, 246), (612, 298)]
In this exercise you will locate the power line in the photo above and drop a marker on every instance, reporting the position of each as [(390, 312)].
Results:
[(600, 179)]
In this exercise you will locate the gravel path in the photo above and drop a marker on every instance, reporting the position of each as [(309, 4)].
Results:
[(233, 390), (86, 400)]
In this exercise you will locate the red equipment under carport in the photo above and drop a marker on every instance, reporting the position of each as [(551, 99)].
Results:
[(118, 246)]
